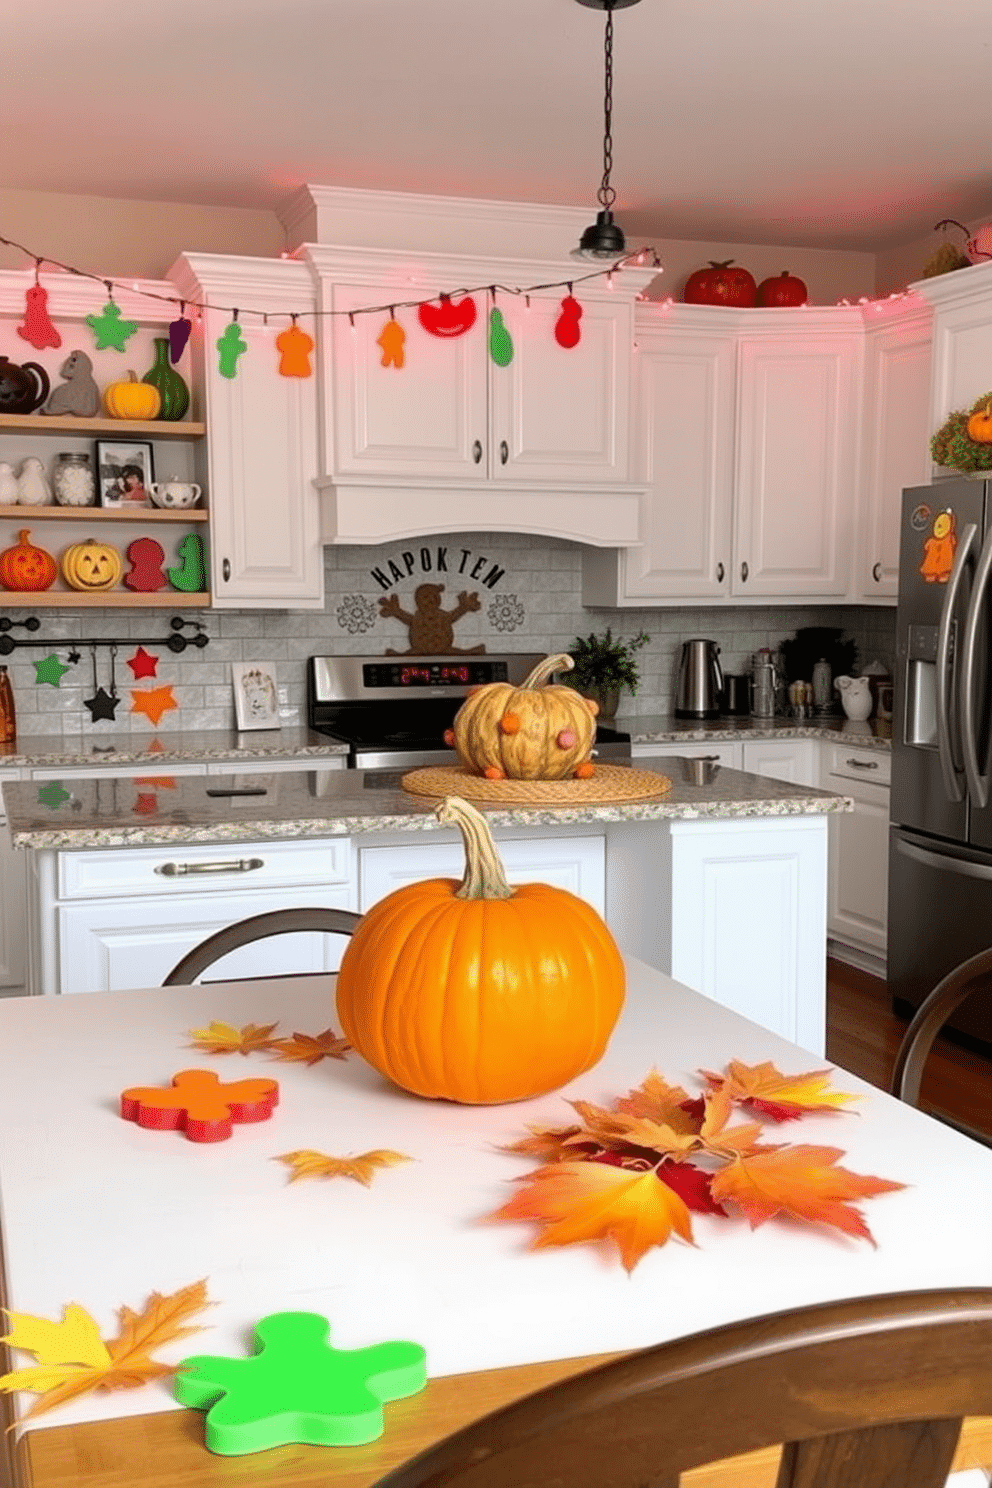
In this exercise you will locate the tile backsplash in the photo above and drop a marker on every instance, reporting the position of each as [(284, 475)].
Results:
[(529, 598)]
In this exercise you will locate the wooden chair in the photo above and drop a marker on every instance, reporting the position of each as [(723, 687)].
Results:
[(258, 927), (928, 1020), (868, 1393)]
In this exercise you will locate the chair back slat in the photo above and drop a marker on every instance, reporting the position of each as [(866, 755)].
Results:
[(917, 1453), (258, 927)]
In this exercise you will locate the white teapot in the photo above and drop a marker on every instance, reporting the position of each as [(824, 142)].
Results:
[(855, 696), (175, 493)]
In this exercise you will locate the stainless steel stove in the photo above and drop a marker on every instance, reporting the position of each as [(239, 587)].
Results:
[(392, 711)]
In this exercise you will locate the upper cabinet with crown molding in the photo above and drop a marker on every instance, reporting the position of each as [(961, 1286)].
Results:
[(266, 549), (746, 437), (448, 439)]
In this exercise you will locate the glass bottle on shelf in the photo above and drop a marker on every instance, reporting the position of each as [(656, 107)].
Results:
[(8, 721), (72, 480)]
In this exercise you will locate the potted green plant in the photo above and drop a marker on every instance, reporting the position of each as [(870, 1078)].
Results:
[(604, 667)]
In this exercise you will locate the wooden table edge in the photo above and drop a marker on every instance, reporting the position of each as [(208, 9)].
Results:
[(164, 1449)]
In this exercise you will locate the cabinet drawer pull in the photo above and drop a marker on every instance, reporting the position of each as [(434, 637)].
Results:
[(225, 569), (720, 571), (862, 764), (876, 573), (504, 452), (706, 758), (477, 452), (228, 865), (744, 573)]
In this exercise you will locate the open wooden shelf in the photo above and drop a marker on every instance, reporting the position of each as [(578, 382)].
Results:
[(78, 599), (26, 515), (33, 423)]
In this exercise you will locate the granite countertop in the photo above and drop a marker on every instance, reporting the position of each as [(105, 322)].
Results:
[(310, 804), (663, 728), (207, 744)]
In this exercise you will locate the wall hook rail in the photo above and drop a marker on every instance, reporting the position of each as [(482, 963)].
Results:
[(177, 641)]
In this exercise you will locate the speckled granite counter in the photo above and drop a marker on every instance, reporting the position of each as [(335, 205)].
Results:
[(663, 728), (163, 748), (308, 804)]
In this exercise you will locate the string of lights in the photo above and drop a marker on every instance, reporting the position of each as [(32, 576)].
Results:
[(641, 257)]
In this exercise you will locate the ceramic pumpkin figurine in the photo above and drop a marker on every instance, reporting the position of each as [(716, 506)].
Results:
[(530, 732), (478, 992), (132, 399), (27, 567), (91, 565)]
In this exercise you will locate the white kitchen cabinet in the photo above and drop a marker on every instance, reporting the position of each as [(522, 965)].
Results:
[(114, 918), (962, 338), (796, 760), (308, 762), (747, 437), (452, 441), (261, 446), (857, 891), (897, 429), (13, 940), (684, 392), (569, 862), (799, 403)]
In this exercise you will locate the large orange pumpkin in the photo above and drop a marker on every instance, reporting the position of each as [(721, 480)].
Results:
[(530, 732), (477, 992), (25, 566)]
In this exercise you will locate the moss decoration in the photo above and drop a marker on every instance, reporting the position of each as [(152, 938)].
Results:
[(951, 446)]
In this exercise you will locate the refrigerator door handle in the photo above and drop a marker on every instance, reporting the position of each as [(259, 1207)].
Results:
[(952, 774), (978, 784), (947, 861)]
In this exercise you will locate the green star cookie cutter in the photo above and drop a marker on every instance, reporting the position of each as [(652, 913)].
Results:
[(298, 1388)]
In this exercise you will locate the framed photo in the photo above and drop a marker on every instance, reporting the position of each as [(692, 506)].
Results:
[(124, 472), (256, 699)]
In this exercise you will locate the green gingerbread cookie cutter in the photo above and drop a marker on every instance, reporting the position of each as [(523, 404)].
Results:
[(298, 1388)]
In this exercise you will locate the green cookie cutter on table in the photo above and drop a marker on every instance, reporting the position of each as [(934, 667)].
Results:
[(298, 1388)]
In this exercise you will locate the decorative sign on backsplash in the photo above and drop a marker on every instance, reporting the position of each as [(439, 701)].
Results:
[(430, 627)]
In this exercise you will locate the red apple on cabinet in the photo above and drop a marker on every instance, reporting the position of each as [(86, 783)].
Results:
[(782, 289), (720, 284)]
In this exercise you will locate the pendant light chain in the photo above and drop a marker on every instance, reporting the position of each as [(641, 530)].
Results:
[(606, 195)]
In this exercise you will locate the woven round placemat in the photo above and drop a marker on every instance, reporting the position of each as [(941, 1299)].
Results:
[(610, 783)]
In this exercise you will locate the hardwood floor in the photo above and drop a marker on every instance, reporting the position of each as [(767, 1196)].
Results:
[(863, 1035)]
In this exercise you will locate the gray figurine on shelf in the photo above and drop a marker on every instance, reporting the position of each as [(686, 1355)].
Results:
[(79, 393)]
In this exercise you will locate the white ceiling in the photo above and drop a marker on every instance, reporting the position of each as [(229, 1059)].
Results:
[(831, 123)]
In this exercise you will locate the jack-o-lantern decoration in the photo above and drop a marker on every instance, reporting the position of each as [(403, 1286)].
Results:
[(27, 567), (530, 732), (91, 565)]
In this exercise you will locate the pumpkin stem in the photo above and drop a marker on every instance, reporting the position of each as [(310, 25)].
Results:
[(484, 877), (544, 669)]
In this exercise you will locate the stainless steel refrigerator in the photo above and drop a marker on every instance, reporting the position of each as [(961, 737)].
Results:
[(940, 837)]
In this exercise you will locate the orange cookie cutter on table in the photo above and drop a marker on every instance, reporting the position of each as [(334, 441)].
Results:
[(197, 1103)]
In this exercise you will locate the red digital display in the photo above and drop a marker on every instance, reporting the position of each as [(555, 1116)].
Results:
[(432, 676)]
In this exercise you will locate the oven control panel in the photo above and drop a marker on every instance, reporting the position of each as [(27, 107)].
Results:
[(379, 674)]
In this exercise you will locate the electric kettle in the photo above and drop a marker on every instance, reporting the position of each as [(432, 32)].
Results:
[(700, 681)]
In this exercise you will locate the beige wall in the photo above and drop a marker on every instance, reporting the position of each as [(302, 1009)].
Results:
[(104, 235)]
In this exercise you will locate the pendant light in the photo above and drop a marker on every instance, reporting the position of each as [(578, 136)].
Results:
[(604, 239)]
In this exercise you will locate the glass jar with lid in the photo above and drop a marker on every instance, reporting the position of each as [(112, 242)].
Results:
[(73, 482)]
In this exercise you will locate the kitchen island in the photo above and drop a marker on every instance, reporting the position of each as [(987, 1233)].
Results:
[(721, 882)]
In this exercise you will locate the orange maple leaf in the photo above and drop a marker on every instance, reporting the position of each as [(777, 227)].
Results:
[(591, 1201), (120, 1363), (659, 1101), (308, 1164), (222, 1038), (782, 1097), (307, 1048), (723, 1140), (549, 1143), (801, 1181), (612, 1127)]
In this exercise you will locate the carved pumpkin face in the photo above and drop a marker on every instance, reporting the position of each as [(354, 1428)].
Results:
[(91, 565), (25, 566)]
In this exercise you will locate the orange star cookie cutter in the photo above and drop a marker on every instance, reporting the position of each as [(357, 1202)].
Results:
[(197, 1103)]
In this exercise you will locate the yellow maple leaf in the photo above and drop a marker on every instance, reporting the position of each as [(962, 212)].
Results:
[(75, 1340), (306, 1163), (222, 1038), (548, 1143), (120, 1363), (613, 1127), (655, 1099), (307, 1048), (723, 1140), (591, 1201), (783, 1097)]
